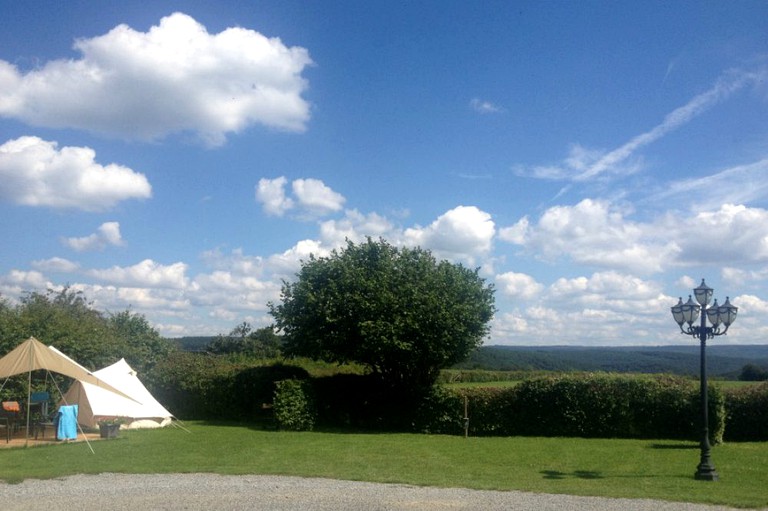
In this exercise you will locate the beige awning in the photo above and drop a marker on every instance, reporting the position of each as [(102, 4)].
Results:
[(32, 355)]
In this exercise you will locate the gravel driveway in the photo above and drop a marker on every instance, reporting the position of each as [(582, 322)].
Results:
[(107, 492)]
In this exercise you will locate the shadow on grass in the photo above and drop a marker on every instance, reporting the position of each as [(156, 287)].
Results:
[(577, 474), (674, 446)]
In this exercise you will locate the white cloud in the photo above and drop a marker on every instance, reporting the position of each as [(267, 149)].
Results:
[(147, 273), (311, 196), (33, 172), (584, 164), (598, 234), (175, 77), (595, 310), (271, 194), (107, 234), (484, 107), (288, 263), (727, 236), (518, 285), (741, 184), (317, 198), (32, 279), (355, 226), (462, 233), (594, 233), (56, 265)]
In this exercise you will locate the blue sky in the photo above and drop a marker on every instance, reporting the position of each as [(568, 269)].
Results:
[(594, 159)]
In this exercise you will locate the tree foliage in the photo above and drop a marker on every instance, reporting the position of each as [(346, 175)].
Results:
[(67, 320), (243, 339), (396, 310), (753, 372)]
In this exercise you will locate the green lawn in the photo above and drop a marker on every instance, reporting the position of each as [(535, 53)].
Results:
[(614, 468)]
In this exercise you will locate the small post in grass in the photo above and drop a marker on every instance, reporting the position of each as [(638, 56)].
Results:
[(466, 417)]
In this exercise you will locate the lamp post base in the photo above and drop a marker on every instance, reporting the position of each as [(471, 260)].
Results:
[(706, 473)]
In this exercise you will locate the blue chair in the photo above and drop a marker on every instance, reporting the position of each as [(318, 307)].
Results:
[(40, 399), (43, 419)]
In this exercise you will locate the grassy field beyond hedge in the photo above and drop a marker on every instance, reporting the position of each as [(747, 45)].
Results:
[(612, 468)]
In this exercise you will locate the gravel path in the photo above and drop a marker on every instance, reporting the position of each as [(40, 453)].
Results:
[(192, 492)]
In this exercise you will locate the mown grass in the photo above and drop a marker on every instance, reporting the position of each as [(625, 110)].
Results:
[(610, 468)]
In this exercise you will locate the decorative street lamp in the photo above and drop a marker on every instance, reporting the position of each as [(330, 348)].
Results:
[(720, 316)]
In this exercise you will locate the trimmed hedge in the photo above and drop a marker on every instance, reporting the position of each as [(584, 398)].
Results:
[(747, 413), (603, 406), (197, 386)]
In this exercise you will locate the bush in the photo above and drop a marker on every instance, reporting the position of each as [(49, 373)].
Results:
[(294, 405), (587, 406), (747, 413), (615, 407), (202, 386)]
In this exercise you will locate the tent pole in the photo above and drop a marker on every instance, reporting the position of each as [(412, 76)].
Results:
[(29, 396)]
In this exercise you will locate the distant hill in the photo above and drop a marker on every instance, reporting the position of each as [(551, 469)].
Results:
[(724, 361)]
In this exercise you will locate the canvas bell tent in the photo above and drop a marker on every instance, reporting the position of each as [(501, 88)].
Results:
[(32, 355), (95, 403)]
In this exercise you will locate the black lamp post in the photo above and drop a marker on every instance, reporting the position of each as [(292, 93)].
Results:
[(719, 316)]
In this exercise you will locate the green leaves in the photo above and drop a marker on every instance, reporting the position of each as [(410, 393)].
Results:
[(396, 310)]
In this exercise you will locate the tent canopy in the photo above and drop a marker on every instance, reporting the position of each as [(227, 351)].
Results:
[(95, 403), (32, 355)]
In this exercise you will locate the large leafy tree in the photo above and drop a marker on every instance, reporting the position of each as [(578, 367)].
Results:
[(396, 310)]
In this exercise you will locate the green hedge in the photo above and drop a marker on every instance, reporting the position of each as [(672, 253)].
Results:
[(201, 386), (747, 413), (198, 386), (604, 406)]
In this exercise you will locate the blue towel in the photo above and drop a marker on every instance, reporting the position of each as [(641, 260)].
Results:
[(67, 423)]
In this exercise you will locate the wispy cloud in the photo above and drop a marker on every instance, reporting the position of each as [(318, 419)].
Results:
[(583, 164), (743, 184), (482, 106)]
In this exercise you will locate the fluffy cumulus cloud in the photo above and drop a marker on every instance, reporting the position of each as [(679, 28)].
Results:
[(34, 172), (271, 194), (311, 197), (595, 233), (594, 310), (147, 273), (356, 226), (599, 234), (317, 198), (731, 234), (463, 233), (518, 285), (108, 234), (175, 77)]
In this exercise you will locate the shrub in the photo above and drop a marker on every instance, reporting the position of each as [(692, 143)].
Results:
[(747, 413), (294, 405), (584, 405), (202, 386)]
